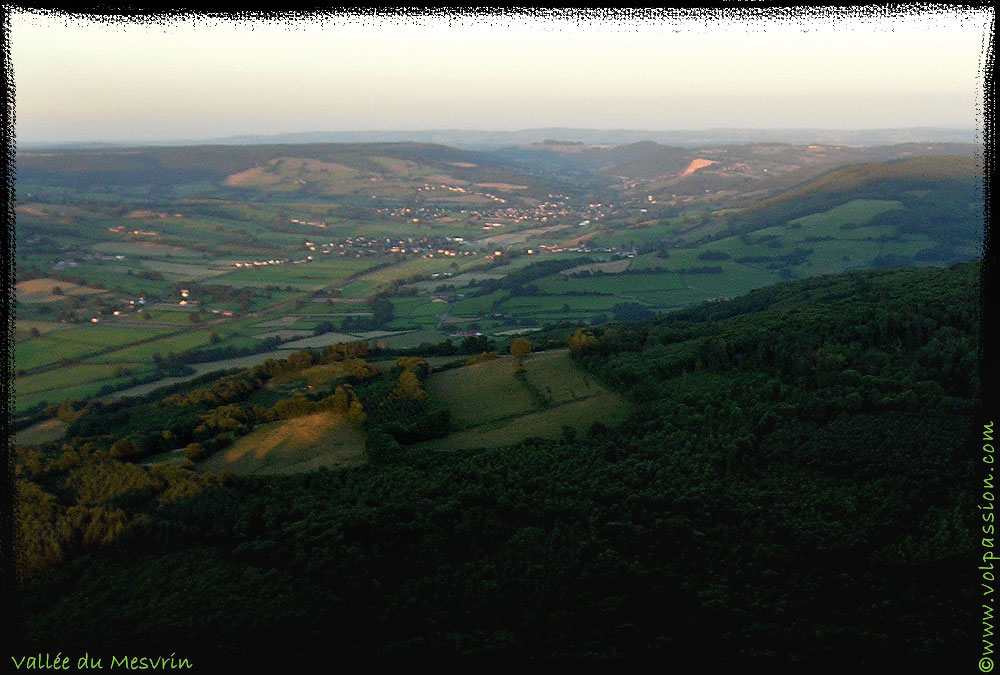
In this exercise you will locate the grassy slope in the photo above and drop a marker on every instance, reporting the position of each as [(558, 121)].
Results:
[(492, 404), (859, 181), (291, 446)]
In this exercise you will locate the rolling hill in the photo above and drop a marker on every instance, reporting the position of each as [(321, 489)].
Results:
[(791, 489), (938, 197), (309, 169)]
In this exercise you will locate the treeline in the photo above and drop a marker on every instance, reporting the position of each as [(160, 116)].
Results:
[(695, 269), (951, 215), (470, 344), (213, 409), (926, 179), (520, 278), (83, 492), (400, 411), (178, 364), (383, 312)]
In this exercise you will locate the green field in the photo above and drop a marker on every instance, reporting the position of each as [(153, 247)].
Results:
[(22, 329), (311, 275), (107, 335), (163, 315), (328, 307), (477, 306), (145, 249), (182, 271), (492, 404), (635, 236), (417, 308), (484, 392), (554, 374), (377, 279), (621, 285), (856, 212), (559, 304), (323, 340), (415, 338), (68, 385), (546, 423), (677, 258), (44, 351), (316, 377), (62, 378), (144, 352)]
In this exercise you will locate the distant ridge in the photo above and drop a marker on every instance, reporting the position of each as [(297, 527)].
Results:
[(949, 178), (483, 139)]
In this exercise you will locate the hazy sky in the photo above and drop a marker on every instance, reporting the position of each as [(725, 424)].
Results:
[(78, 79)]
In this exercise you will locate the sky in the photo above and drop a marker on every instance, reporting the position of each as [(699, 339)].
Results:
[(77, 79)]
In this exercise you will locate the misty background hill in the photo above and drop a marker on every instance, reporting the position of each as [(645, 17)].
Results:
[(483, 139)]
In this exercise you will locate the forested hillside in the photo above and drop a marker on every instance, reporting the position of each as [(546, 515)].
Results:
[(792, 489)]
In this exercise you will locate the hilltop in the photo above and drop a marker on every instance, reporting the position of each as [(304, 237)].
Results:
[(389, 170), (877, 179)]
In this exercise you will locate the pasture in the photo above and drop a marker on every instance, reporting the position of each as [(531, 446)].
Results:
[(106, 336), (81, 381), (322, 439), (47, 350), (480, 393), (23, 328), (50, 290), (493, 405), (415, 338), (45, 431), (548, 423), (144, 352), (311, 275), (318, 376)]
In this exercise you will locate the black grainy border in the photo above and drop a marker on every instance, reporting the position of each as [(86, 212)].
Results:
[(160, 12), (9, 306), (988, 323), (988, 335)]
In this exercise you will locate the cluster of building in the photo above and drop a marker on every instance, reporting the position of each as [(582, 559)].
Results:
[(273, 261), (450, 188), (555, 208), (83, 258), (121, 229), (132, 307), (427, 247)]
